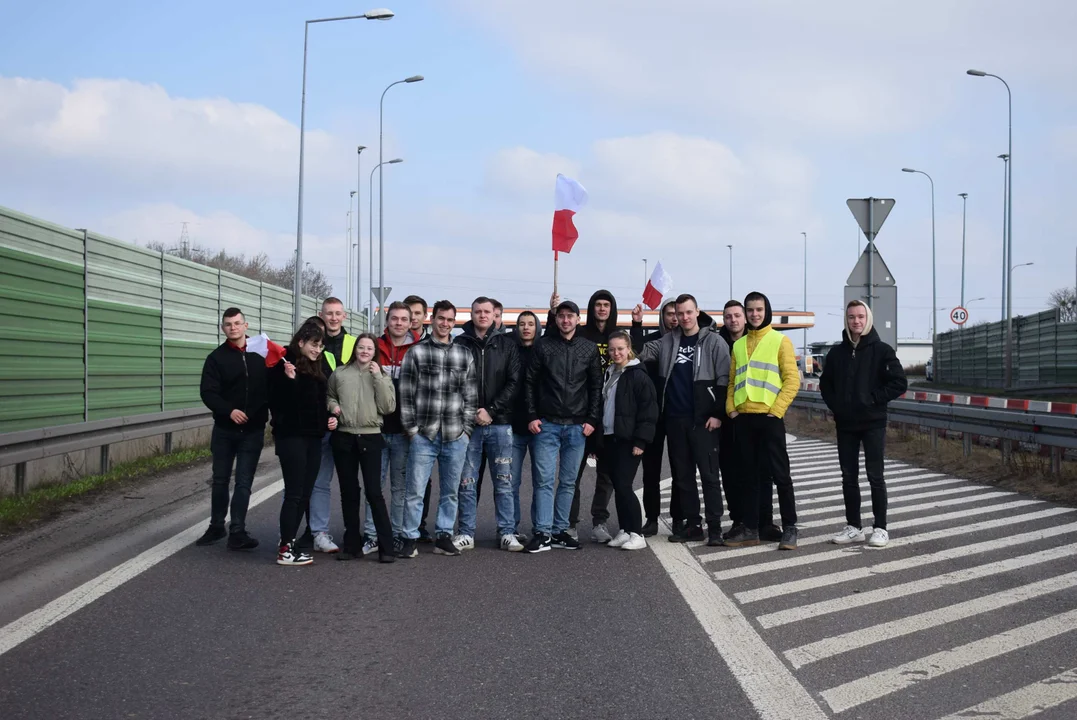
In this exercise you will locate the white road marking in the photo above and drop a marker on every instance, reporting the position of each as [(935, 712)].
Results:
[(894, 493), (881, 684), (21, 630), (892, 484), (1025, 702)]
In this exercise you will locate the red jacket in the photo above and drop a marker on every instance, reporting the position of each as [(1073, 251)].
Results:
[(391, 357)]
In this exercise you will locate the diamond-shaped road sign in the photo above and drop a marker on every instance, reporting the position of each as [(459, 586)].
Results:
[(870, 213)]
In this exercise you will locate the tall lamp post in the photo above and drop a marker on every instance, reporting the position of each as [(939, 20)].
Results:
[(964, 207), (934, 286), (1005, 215), (297, 287), (804, 350), (730, 271), (370, 214), (381, 175), (1009, 223), (351, 200), (359, 232)]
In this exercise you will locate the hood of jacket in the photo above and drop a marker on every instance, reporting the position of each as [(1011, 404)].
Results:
[(663, 328), (592, 323), (867, 338), (869, 328), (767, 318)]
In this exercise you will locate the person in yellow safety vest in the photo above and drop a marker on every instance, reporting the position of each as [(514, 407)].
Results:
[(764, 382)]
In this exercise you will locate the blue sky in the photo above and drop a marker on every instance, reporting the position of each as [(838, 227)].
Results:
[(698, 125)]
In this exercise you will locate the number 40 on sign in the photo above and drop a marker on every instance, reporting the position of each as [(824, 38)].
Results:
[(959, 315)]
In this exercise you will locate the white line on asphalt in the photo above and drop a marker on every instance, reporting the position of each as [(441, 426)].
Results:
[(835, 474), (893, 484), (880, 684), (858, 639), (936, 582), (1025, 702), (30, 624), (909, 563), (765, 679), (895, 491), (834, 481), (906, 509)]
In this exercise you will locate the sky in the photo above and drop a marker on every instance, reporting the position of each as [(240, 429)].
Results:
[(694, 125)]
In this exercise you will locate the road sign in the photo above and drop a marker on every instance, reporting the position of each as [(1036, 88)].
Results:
[(870, 213), (959, 315), (380, 293), (880, 273)]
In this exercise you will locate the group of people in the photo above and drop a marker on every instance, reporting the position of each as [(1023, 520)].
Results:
[(389, 408)]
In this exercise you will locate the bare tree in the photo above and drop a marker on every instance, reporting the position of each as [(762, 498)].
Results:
[(256, 267), (1065, 299)]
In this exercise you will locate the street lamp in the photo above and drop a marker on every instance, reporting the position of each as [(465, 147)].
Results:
[(370, 213), (964, 205), (348, 240), (1005, 214), (966, 306), (805, 348), (1009, 224), (934, 287), (1021, 265), (377, 14), (359, 232), (730, 271), (381, 196)]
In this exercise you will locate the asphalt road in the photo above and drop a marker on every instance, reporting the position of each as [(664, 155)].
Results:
[(970, 612)]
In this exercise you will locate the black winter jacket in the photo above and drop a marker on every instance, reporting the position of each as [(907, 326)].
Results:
[(520, 418), (589, 330), (857, 383), (497, 370), (635, 407), (299, 405), (564, 382), (234, 379)]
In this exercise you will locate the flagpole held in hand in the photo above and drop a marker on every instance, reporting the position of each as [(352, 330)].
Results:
[(554, 272), (569, 197)]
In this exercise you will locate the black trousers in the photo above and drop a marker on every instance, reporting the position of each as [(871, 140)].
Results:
[(240, 449), (693, 447), (874, 442), (352, 453), (623, 465), (600, 503), (763, 457), (300, 457), (652, 477)]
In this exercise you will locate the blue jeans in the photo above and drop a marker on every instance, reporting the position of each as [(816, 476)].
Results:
[(556, 456), (520, 446), (496, 441), (421, 457), (321, 496), (394, 469), (240, 448)]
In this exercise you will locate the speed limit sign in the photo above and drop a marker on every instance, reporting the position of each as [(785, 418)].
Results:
[(959, 315)]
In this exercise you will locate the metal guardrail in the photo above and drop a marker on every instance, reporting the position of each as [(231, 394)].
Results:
[(1054, 431), (18, 448)]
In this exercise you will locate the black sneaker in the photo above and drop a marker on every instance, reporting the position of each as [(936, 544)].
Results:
[(398, 544), (715, 540), (306, 542), (386, 557), (650, 529), (564, 541), (212, 535), (789, 538), (241, 541), (287, 554), (744, 537), (424, 536), (444, 545), (677, 527), (737, 527), (770, 533), (690, 533), (408, 549), (346, 554), (539, 542)]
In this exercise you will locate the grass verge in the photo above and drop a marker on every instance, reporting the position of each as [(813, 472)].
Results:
[(1027, 472), (18, 511)]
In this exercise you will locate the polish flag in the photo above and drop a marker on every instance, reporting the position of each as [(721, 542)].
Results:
[(569, 197), (659, 286), (265, 347)]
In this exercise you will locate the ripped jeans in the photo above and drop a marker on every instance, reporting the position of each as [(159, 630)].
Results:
[(496, 442)]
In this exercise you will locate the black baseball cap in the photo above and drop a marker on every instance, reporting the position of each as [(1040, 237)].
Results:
[(568, 305)]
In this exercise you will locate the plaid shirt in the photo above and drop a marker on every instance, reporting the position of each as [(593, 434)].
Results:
[(438, 390)]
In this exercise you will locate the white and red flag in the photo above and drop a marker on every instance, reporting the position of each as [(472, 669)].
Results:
[(569, 197), (659, 286), (265, 347)]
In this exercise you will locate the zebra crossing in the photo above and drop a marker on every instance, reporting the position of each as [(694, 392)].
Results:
[(969, 612)]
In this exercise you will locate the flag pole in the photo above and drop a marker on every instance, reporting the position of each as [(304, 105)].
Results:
[(554, 272)]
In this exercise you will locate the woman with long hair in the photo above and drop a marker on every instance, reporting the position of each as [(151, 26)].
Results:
[(629, 414), (360, 395), (297, 399)]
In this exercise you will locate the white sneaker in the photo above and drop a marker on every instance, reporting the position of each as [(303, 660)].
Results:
[(370, 545), (600, 533), (848, 535), (323, 542), (511, 543), (463, 542), (635, 542), (572, 531), (621, 539), (879, 538)]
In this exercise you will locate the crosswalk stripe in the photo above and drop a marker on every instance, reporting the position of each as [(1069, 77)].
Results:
[(1025, 702), (895, 491), (847, 602), (880, 684), (897, 484), (916, 561), (835, 473), (899, 510), (835, 480), (857, 639), (729, 554)]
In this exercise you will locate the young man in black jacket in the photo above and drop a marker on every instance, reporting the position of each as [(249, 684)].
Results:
[(564, 404), (497, 373), (233, 387), (860, 377)]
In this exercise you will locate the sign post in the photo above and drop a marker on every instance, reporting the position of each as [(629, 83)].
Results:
[(871, 271), (380, 295), (959, 316)]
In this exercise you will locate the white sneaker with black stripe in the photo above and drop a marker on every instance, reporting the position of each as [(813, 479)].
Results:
[(288, 555)]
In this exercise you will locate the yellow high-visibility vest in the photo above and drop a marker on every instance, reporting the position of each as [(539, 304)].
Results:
[(758, 376), (345, 352)]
